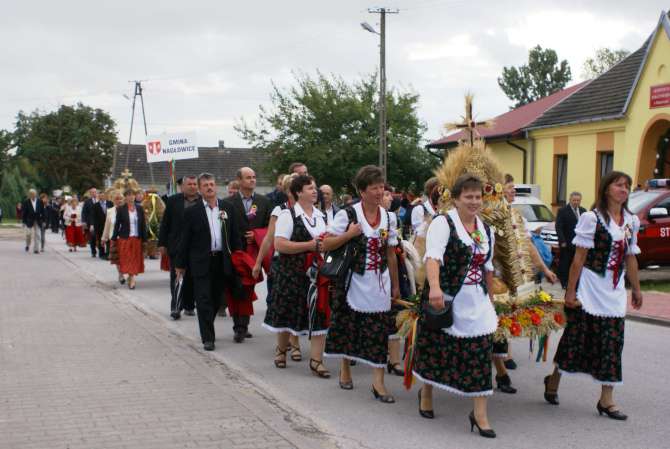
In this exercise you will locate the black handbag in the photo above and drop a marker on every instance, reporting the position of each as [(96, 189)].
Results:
[(437, 319), (336, 263)]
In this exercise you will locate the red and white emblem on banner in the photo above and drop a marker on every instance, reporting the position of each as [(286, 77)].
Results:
[(154, 147)]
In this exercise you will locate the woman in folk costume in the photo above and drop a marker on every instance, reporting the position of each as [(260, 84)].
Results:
[(299, 235), (74, 231), (130, 233), (264, 250), (593, 339), (458, 359), (110, 220), (362, 318)]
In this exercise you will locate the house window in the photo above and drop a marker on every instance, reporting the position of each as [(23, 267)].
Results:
[(605, 163), (560, 179)]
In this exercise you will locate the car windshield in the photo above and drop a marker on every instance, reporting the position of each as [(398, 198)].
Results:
[(640, 199), (534, 212)]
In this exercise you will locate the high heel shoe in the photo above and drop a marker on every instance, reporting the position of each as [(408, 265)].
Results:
[(428, 414), (550, 397), (348, 385), (613, 414), (486, 433), (392, 368), (314, 367), (385, 398)]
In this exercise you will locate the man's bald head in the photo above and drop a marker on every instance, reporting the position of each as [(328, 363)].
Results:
[(247, 179)]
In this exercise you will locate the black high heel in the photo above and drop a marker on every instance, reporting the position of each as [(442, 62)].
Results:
[(392, 368), (613, 414), (385, 398), (505, 384), (551, 398), (486, 433), (428, 414), (348, 385)]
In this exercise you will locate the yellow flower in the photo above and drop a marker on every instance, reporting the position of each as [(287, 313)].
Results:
[(539, 311), (498, 187), (544, 296), (524, 319), (505, 322)]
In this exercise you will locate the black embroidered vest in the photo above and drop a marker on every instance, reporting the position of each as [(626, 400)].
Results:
[(597, 258), (360, 245), (456, 262), (296, 262)]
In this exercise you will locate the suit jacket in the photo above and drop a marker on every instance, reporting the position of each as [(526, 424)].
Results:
[(566, 221), (31, 216), (87, 212), (172, 224), (99, 215), (261, 220), (196, 241), (122, 225)]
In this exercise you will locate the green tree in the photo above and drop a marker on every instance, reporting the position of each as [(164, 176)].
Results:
[(71, 146), (332, 126), (5, 156), (603, 60), (541, 76)]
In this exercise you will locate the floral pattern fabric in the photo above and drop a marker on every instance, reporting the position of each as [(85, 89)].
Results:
[(592, 345), (459, 365), (288, 310), (357, 335), (597, 257)]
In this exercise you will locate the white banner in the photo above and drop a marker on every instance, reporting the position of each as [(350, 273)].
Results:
[(166, 147)]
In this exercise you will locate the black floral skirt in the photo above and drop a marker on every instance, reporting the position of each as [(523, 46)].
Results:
[(591, 345), (457, 365), (357, 335), (288, 310)]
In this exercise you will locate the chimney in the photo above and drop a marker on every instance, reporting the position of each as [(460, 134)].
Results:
[(222, 145)]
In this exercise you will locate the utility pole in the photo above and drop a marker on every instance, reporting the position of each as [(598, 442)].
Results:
[(138, 93), (383, 148)]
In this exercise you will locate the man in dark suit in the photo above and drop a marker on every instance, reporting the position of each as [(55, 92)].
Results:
[(566, 220), (169, 237), (209, 236), (99, 215), (33, 214), (87, 218), (252, 211)]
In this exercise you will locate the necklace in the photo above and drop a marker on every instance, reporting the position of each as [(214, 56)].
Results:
[(309, 222)]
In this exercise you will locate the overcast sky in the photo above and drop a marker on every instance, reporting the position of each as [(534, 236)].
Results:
[(210, 63)]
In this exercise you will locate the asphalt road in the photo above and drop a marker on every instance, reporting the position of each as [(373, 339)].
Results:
[(352, 419)]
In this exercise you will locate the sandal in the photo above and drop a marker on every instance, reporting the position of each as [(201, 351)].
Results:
[(280, 357), (394, 368), (296, 355), (314, 366)]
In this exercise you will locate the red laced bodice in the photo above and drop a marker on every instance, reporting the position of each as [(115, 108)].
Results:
[(475, 272)]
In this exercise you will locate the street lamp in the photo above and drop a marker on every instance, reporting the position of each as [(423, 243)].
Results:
[(382, 81)]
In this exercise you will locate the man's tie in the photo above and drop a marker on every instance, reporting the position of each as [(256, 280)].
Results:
[(576, 211)]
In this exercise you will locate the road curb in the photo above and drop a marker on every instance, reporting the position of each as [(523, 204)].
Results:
[(648, 320)]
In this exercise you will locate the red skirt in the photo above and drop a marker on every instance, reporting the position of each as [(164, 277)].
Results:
[(131, 256), (74, 236), (165, 262)]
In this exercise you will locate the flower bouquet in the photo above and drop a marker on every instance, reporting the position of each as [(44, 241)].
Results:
[(537, 315)]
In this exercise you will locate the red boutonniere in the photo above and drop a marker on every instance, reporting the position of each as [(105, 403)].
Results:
[(477, 237)]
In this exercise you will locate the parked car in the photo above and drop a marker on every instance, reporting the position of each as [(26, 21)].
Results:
[(536, 213), (652, 206)]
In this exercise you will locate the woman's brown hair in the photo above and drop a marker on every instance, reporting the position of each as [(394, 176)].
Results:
[(601, 200), (466, 181)]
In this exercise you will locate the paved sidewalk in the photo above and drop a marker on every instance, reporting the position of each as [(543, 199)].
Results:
[(81, 368)]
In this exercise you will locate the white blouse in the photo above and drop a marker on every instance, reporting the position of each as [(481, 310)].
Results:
[(419, 217), (474, 314), (316, 226), (69, 211), (132, 218), (371, 291), (598, 294)]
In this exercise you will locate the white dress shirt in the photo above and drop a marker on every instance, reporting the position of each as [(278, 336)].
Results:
[(132, 216), (214, 220)]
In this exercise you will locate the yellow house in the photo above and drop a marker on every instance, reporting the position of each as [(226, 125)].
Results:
[(620, 121)]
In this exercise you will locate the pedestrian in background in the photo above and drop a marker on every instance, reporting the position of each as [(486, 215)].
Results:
[(44, 222), (87, 219), (566, 221), (74, 229), (593, 339), (110, 220), (32, 216), (130, 232)]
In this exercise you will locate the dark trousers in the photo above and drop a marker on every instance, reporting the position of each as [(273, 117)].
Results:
[(186, 290), (208, 292), (102, 247), (92, 242), (564, 261)]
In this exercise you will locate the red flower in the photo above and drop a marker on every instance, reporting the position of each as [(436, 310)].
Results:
[(488, 189), (535, 318), (558, 317), (515, 329)]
